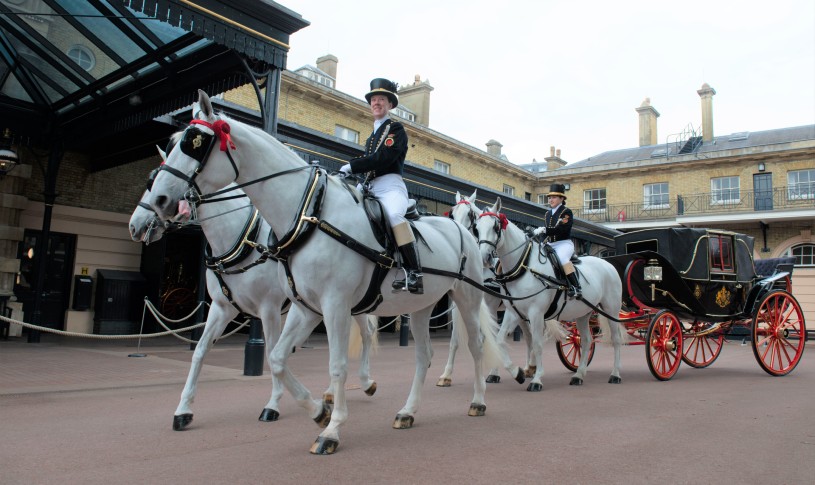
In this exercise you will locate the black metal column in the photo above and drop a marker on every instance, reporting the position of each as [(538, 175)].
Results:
[(41, 248), (404, 329), (253, 354)]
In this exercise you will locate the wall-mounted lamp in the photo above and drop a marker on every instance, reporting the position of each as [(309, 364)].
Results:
[(761, 167), (8, 157), (567, 186)]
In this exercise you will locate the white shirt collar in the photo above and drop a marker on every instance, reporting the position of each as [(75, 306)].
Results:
[(554, 209), (378, 123)]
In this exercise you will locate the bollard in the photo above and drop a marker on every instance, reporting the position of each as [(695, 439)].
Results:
[(253, 354), (404, 328)]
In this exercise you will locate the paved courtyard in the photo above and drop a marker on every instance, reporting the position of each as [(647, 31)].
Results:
[(81, 411)]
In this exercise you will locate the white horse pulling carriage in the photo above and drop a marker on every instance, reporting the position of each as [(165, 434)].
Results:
[(466, 213), (526, 271), (328, 279), (241, 279)]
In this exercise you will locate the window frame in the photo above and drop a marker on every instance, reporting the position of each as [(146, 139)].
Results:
[(445, 167), (340, 128), (589, 201), (793, 187), (716, 194), (648, 198)]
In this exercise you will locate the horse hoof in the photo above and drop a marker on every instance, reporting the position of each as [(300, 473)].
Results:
[(269, 415), (181, 421), (445, 382), (615, 380), (520, 377), (576, 381), (403, 421), (328, 398), (324, 446), (371, 390), (477, 409), (530, 371), (493, 379), (534, 387), (324, 418)]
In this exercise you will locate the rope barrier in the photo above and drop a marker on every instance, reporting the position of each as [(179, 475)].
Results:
[(160, 318)]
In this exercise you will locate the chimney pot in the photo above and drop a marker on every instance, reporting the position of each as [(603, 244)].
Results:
[(706, 94), (648, 123)]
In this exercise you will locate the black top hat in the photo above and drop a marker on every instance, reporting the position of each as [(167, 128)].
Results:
[(557, 189), (383, 86)]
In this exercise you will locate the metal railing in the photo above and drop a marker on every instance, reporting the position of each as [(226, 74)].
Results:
[(779, 198)]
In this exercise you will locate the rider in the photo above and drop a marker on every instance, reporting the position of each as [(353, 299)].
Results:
[(558, 229), (384, 160)]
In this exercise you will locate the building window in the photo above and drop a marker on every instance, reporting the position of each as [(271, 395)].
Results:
[(594, 200), (83, 57), (442, 167), (527, 196), (724, 190), (804, 254), (542, 199), (404, 114), (319, 78), (509, 190), (801, 184), (655, 196), (346, 134)]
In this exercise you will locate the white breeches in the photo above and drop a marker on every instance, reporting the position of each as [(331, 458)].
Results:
[(564, 250), (391, 191)]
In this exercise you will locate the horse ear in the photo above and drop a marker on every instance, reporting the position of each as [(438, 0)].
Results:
[(204, 104), (458, 197), (497, 207), (472, 197), (161, 153)]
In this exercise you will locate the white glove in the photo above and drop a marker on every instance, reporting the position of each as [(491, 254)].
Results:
[(346, 169), (539, 231)]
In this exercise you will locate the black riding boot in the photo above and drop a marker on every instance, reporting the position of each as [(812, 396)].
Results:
[(574, 286), (410, 261)]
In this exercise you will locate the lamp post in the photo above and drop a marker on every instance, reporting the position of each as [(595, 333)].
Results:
[(8, 156)]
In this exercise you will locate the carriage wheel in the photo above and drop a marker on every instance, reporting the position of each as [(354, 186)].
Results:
[(779, 333), (569, 349), (701, 351), (663, 345), (178, 303)]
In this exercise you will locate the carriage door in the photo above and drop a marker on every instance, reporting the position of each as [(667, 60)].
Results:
[(57, 285), (763, 188)]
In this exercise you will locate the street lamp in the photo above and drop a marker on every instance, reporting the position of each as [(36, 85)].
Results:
[(8, 157)]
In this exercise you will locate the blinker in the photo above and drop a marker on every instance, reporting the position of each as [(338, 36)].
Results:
[(196, 144)]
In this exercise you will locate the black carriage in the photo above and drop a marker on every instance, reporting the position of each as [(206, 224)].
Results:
[(686, 291)]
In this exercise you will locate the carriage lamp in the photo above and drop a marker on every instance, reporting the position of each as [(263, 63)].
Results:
[(8, 157), (653, 271)]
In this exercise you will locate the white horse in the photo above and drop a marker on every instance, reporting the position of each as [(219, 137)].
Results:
[(249, 283), (466, 212), (527, 273), (312, 211)]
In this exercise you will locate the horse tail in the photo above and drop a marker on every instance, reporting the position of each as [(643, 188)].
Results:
[(373, 331), (553, 330), (355, 341), (491, 353), (604, 336)]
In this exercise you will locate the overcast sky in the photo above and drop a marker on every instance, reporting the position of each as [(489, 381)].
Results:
[(532, 74)]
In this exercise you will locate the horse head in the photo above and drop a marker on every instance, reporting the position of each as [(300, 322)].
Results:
[(489, 227), (465, 212), (205, 144)]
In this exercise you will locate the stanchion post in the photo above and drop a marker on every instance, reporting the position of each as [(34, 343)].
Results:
[(404, 328), (253, 354)]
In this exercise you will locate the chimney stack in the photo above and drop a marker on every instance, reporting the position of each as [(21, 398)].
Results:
[(553, 161), (707, 93), (328, 64), (494, 148), (648, 123), (416, 98)]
